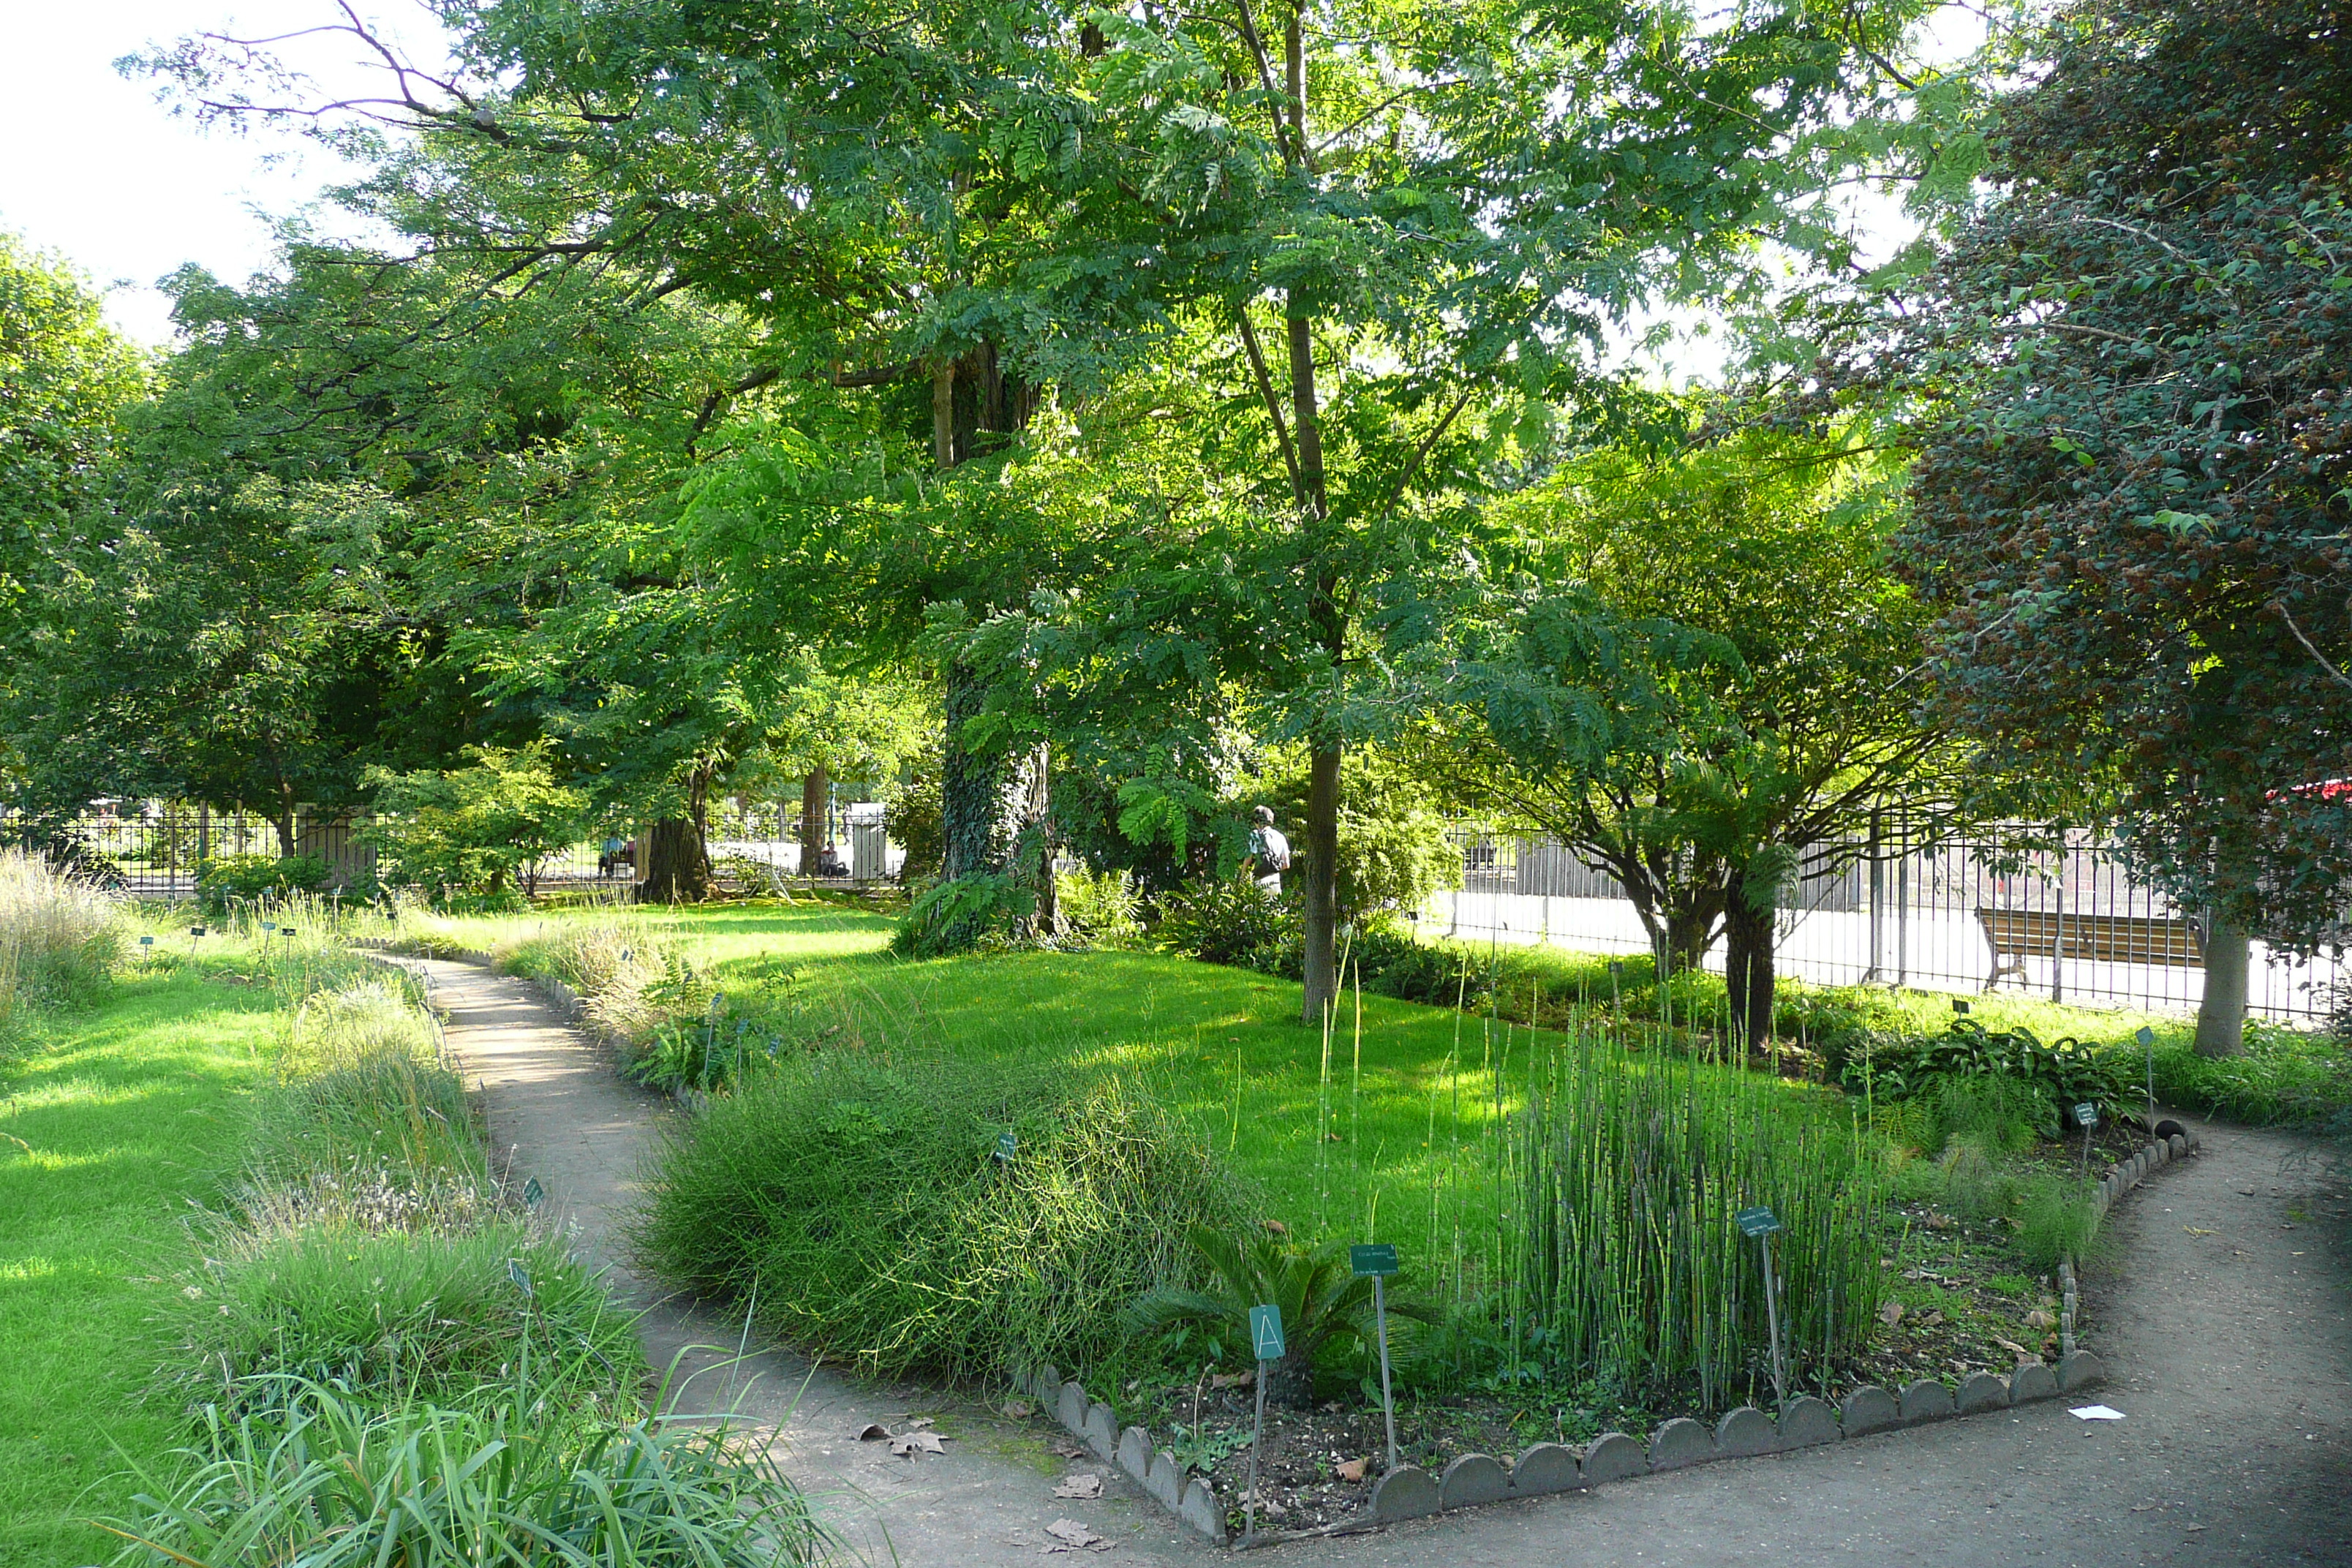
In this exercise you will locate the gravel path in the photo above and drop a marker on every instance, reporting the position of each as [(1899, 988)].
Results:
[(2225, 1317)]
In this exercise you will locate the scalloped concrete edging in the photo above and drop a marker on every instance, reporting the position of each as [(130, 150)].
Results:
[(1190, 1498)]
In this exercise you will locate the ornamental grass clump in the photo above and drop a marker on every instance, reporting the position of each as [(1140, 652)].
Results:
[(861, 1207), (327, 1481), (59, 934), (1629, 1168)]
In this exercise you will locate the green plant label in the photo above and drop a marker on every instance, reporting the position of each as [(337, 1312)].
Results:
[(1756, 1222), (532, 1192), (1266, 1332), (520, 1276), (2086, 1114), (146, 942), (2147, 1036), (1005, 1146), (1371, 1257), (1961, 1008), (196, 931)]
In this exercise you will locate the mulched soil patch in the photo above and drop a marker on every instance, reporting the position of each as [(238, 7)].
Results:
[(1960, 1303)]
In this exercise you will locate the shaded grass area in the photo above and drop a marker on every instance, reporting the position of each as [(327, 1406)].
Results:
[(113, 1117)]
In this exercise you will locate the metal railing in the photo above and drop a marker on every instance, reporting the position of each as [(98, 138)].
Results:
[(1958, 914)]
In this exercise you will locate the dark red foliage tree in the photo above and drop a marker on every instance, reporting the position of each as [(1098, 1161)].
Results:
[(2132, 503)]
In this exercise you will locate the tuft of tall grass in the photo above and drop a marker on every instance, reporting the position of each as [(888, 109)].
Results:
[(631, 980), (861, 1205), (59, 935), (1629, 1268), (430, 1314), (332, 1483)]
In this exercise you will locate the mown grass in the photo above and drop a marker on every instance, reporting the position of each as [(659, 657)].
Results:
[(110, 1120)]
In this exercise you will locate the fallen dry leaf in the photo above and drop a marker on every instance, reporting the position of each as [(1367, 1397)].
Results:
[(1352, 1471), (2196, 1230), (1083, 1487), (874, 1432), (1069, 1535), (1940, 1222), (1276, 1227), (1891, 1313), (914, 1442), (2011, 1346), (1069, 1450), (2040, 1318), (1232, 1379), (1019, 1409), (1931, 1320)]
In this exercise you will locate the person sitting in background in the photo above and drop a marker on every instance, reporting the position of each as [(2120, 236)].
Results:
[(609, 857)]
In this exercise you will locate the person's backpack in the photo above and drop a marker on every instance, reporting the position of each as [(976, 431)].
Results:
[(1274, 850)]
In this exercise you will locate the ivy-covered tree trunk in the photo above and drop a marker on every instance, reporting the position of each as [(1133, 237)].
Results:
[(971, 787)]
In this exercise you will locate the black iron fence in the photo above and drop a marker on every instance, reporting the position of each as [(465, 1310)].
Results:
[(158, 851), (1953, 914)]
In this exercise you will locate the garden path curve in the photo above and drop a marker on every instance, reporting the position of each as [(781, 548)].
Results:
[(2226, 1319)]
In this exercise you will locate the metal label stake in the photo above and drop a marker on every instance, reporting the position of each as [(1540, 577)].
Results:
[(1762, 1223), (1378, 1260), (1265, 1344), (2087, 1117)]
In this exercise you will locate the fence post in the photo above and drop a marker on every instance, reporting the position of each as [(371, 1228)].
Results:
[(1877, 887), (2058, 942), (1903, 904)]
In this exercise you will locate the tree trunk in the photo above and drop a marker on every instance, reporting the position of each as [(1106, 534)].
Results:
[(1748, 972), (2222, 1016), (1322, 880), (971, 788), (813, 788), (1029, 802), (677, 855)]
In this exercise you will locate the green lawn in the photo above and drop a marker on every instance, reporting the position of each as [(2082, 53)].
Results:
[(110, 1125), (1392, 1138)]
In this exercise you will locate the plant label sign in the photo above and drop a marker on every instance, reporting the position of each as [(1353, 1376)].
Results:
[(2145, 1036), (1372, 1259), (522, 1279), (1265, 1332), (1005, 1146), (1757, 1223), (533, 1195), (2086, 1115)]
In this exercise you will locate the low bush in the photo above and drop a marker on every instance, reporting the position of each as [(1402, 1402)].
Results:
[(2060, 1074), (862, 1204), (633, 984), (394, 1315), (964, 914), (334, 1484), (59, 935), (2056, 1220), (1395, 963), (1099, 908), (229, 880), (1233, 920), (2283, 1077)]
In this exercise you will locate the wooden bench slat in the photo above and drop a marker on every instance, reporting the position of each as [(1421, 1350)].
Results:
[(2098, 938)]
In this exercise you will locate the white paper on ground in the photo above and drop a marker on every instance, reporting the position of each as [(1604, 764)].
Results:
[(2096, 1413)]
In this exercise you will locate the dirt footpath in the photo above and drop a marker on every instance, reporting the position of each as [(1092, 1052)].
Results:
[(2225, 1316)]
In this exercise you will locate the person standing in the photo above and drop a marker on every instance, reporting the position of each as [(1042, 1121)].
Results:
[(1269, 855)]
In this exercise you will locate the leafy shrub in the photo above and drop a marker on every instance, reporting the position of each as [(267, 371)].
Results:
[(230, 879), (2055, 1219), (860, 1202), (334, 1484), (478, 828), (913, 818), (964, 914), (2283, 1077), (1322, 1303), (2062, 1074), (59, 937), (1233, 920), (1099, 909), (398, 1315), (1395, 963)]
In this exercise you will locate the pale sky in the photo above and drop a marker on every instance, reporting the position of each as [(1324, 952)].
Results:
[(102, 172), (99, 172)]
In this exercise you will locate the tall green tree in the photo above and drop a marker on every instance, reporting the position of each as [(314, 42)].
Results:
[(1708, 687), (2134, 379)]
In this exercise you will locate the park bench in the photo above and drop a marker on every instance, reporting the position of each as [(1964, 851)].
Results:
[(2016, 935)]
